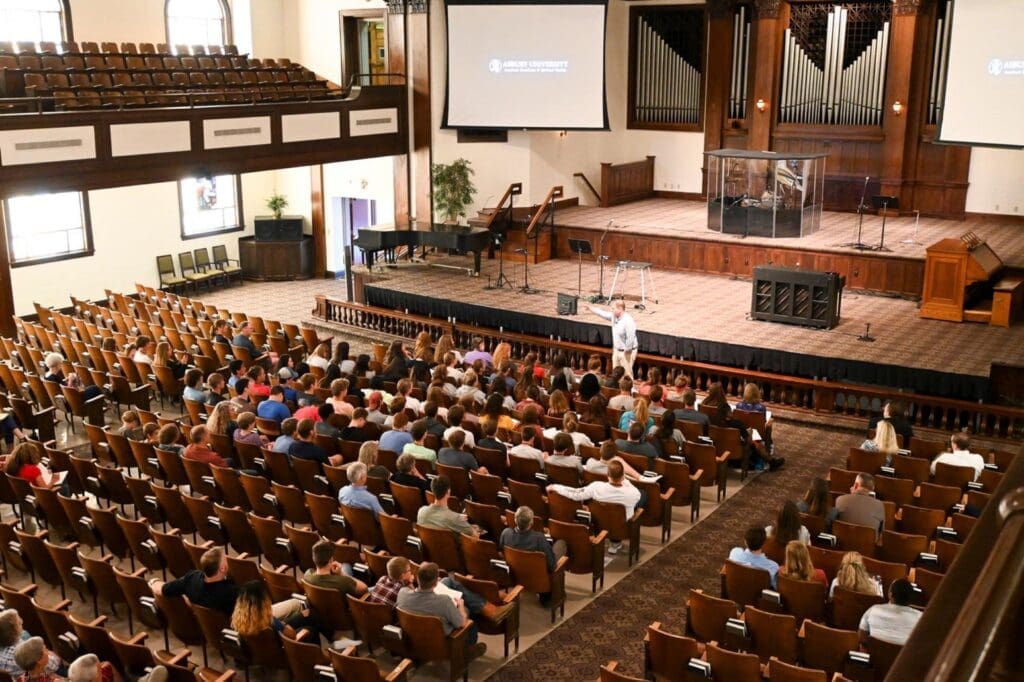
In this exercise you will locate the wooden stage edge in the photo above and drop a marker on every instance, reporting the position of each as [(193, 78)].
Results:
[(893, 275)]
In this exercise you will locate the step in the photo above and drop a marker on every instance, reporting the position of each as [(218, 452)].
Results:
[(982, 315)]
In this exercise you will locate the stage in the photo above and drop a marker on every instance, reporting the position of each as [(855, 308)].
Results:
[(705, 318), (673, 234)]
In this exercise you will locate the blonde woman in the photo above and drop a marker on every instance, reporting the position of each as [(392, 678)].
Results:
[(853, 575), (164, 357), (798, 564), (571, 426), (884, 440), (222, 421), (368, 456), (254, 613), (639, 413), (558, 404), (422, 350), (320, 357), (502, 352), (445, 345), (752, 402)]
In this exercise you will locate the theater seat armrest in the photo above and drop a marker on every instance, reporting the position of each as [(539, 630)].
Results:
[(667, 495), (513, 594), (98, 621), (400, 672), (599, 538), (30, 589), (723, 457), (462, 632), (696, 477), (139, 638), (560, 566), (179, 657), (637, 513)]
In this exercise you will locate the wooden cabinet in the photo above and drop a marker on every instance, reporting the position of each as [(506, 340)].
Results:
[(277, 260)]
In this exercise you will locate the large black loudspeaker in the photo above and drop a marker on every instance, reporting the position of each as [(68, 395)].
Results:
[(283, 229), (793, 296), (566, 304)]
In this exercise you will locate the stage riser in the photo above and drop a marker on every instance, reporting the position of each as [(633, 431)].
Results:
[(888, 275)]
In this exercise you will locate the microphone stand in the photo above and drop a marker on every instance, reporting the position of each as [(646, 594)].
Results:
[(601, 258), (860, 220)]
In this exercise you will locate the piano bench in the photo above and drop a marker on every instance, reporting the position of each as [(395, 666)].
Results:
[(1007, 301)]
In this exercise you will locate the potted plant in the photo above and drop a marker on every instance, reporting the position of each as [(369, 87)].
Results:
[(277, 203), (453, 189)]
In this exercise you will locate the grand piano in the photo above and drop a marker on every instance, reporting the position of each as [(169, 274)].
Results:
[(452, 237), (963, 282)]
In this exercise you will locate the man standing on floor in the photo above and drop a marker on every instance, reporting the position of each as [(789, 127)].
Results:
[(623, 335)]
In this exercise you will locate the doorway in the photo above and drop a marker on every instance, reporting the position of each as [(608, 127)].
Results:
[(350, 216)]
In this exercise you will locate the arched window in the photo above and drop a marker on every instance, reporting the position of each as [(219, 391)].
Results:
[(34, 20), (198, 22)]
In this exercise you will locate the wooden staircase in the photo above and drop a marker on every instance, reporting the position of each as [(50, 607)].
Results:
[(536, 220)]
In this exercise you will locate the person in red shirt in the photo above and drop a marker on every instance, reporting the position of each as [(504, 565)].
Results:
[(199, 448), (258, 385), (311, 412), (23, 462)]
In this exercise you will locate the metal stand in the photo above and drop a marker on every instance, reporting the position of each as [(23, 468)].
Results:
[(502, 280), (866, 336), (882, 203), (623, 267), (601, 258), (860, 221), (580, 247), (526, 288), (917, 223)]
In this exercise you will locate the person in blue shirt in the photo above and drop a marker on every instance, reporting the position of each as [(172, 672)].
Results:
[(236, 369), (753, 555), (284, 378), (355, 493), (287, 437), (397, 438), (274, 407), (193, 386)]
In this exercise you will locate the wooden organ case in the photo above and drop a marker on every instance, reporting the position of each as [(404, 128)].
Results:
[(962, 284)]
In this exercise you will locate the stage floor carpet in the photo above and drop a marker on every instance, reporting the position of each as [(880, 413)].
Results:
[(689, 219), (715, 309)]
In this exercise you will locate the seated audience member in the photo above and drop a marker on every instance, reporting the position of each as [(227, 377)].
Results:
[(564, 453), (961, 456), (608, 453), (665, 437), (523, 536), (570, 426), (167, 439), (613, 379), (374, 403), (884, 440), (892, 622), (193, 386), (356, 428), (528, 446), (426, 601), (305, 448), (860, 506), (211, 586), (494, 408), (490, 440), (355, 493), (236, 372), (399, 574), (12, 633), (416, 448), (11, 430), (679, 386), (216, 389), (258, 385), (430, 414), (222, 332), (304, 391), (479, 352), (320, 357), (624, 400), (788, 527), (131, 426), (368, 456), (254, 613), (816, 501), (34, 661), (246, 431), (411, 402), (329, 573), (339, 390), (559, 365), (438, 515), (273, 407), (313, 411), (396, 363), (398, 436), (894, 412), (24, 463), (690, 413), (639, 414), (752, 554), (149, 433), (558, 404), (451, 366), (653, 379), (323, 426), (54, 363), (243, 340), (89, 668), (455, 456), (243, 400), (145, 349), (470, 387), (590, 382), (615, 490), (635, 444), (657, 401), (199, 448), (455, 416), (853, 575), (798, 564), (409, 475), (752, 402), (395, 407), (287, 437), (596, 413)]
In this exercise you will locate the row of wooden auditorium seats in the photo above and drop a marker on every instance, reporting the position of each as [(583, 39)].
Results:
[(119, 62), (88, 47)]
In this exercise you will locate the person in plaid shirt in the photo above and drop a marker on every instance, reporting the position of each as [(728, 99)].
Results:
[(386, 590)]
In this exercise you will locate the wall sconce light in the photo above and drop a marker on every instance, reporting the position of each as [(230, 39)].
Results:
[(562, 133), (897, 108), (761, 105)]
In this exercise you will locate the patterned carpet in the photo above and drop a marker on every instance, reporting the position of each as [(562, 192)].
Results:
[(690, 219), (613, 625)]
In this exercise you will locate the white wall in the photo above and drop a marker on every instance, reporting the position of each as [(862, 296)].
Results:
[(130, 21), (997, 181), (131, 226)]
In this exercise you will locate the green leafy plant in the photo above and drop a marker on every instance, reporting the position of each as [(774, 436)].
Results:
[(277, 203), (453, 189)]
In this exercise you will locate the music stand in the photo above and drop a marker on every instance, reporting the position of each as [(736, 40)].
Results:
[(503, 279), (526, 288), (580, 247), (882, 202), (858, 244)]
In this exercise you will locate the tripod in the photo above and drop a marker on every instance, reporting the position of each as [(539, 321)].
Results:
[(503, 279), (860, 221), (526, 288), (601, 258), (882, 203)]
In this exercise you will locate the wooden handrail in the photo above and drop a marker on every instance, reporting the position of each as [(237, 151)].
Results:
[(796, 393), (586, 181), (980, 631), (544, 209), (514, 190)]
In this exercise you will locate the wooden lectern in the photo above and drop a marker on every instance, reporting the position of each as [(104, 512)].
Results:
[(961, 283)]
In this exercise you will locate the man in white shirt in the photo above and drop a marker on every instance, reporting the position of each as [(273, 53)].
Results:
[(526, 447), (961, 455), (615, 490), (892, 622), (623, 335)]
